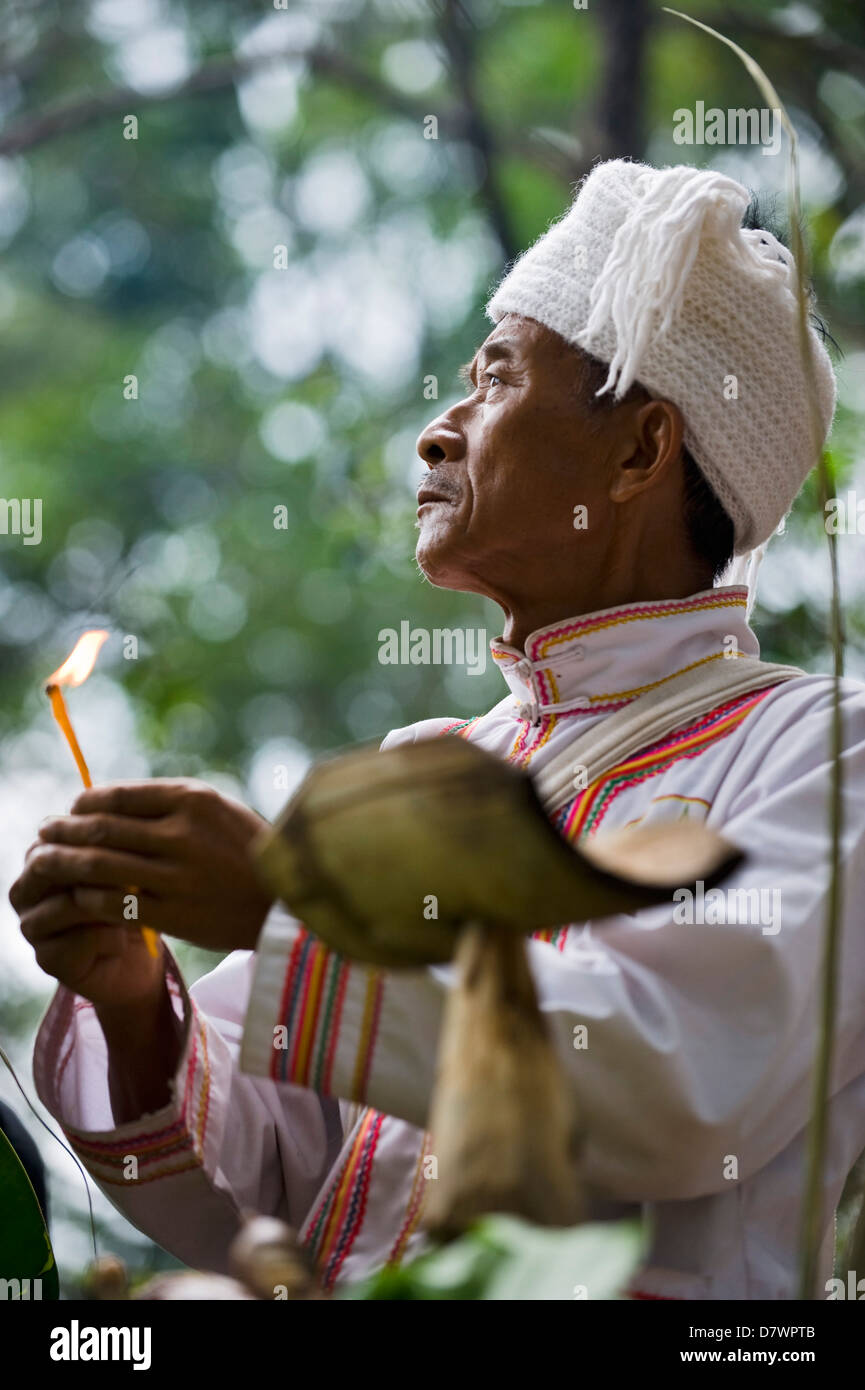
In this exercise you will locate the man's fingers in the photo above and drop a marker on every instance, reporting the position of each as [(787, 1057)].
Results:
[(154, 798), (29, 887), (123, 907), (72, 865), (54, 915), (138, 836), (71, 957)]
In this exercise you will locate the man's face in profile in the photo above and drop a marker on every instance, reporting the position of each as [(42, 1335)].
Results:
[(508, 465)]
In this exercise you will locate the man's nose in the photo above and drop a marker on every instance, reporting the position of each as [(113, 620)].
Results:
[(441, 442)]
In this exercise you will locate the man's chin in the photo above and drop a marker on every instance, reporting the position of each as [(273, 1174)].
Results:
[(435, 563)]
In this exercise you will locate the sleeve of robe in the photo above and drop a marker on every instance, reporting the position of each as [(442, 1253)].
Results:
[(224, 1142), (700, 1038)]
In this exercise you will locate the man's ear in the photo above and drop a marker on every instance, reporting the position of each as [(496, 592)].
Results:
[(651, 443)]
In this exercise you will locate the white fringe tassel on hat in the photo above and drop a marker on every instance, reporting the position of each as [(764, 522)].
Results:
[(664, 231), (651, 272)]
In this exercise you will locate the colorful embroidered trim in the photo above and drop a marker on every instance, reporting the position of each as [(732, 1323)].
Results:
[(544, 729), (584, 814), (587, 810), (614, 699), (542, 647), (556, 936), (697, 603), (598, 704), (334, 1225), (368, 1033), (159, 1153), (313, 995), (523, 751), (414, 1207), (463, 727)]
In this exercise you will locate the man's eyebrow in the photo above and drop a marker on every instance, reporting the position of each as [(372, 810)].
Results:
[(498, 348), (501, 347)]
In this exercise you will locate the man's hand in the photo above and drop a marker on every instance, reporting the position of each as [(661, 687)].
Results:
[(107, 965), (178, 847)]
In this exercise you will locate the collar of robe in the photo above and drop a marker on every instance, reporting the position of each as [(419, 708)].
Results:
[(600, 661)]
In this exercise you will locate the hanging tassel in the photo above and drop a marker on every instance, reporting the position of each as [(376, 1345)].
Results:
[(642, 284)]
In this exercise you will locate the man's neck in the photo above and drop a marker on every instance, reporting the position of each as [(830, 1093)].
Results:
[(522, 620)]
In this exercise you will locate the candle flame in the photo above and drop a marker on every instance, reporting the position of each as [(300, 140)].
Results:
[(74, 671), (81, 660)]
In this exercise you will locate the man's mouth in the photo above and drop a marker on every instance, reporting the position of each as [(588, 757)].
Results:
[(430, 494)]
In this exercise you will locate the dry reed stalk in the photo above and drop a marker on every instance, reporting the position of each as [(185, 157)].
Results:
[(817, 1138)]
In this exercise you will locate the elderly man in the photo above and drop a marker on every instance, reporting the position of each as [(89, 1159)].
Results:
[(639, 415)]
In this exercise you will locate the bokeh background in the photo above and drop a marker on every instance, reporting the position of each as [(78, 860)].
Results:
[(306, 127)]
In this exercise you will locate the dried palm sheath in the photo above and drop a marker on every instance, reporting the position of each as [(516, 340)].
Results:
[(370, 838), (504, 1123)]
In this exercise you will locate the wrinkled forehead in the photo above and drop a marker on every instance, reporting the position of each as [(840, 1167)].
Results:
[(517, 337)]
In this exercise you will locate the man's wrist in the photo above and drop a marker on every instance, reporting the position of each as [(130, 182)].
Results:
[(132, 1024), (145, 1041)]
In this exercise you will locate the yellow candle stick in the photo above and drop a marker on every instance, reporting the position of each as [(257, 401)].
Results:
[(75, 671), (61, 714)]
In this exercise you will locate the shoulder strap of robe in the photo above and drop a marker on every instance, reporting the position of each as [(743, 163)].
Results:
[(649, 718)]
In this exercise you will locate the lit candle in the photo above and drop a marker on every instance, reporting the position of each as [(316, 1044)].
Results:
[(74, 671)]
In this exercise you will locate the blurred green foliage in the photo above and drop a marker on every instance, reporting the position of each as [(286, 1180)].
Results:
[(25, 1248), (154, 257), (305, 387), (504, 1258)]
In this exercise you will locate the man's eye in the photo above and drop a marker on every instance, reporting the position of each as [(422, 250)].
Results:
[(492, 378)]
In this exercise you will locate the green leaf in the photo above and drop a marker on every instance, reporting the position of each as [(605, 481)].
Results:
[(594, 1261), (504, 1258), (25, 1247)]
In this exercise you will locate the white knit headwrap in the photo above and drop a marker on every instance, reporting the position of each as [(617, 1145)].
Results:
[(651, 273)]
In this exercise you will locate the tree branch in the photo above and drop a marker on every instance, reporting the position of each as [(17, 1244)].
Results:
[(624, 25), (463, 122), (803, 79), (459, 40), (77, 115), (834, 51)]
